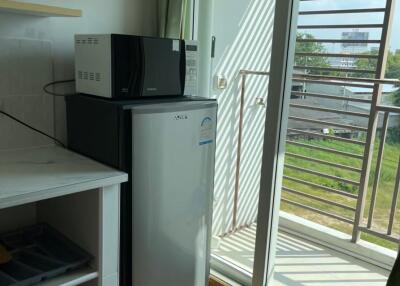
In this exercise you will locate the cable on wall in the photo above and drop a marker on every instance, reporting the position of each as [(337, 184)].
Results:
[(33, 128), (46, 90), (46, 87)]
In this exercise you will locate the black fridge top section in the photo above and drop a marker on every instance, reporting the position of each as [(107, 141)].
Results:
[(93, 129)]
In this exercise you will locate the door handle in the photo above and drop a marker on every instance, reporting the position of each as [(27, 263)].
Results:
[(260, 102)]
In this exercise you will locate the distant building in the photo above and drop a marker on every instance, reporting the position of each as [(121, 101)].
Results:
[(356, 36), (351, 48)]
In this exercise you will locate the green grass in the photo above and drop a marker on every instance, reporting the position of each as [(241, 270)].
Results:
[(385, 192)]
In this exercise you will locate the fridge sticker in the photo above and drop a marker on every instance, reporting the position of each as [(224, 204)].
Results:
[(206, 131)]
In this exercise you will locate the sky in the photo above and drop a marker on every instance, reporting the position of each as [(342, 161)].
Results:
[(363, 18)]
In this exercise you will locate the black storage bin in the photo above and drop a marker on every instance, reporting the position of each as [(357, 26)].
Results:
[(39, 252)]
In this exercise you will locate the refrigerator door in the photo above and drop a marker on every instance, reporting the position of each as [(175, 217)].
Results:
[(173, 148)]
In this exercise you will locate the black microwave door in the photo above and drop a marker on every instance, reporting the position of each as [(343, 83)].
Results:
[(162, 67), (128, 70)]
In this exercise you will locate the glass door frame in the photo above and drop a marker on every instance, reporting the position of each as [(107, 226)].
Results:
[(279, 91), (283, 48)]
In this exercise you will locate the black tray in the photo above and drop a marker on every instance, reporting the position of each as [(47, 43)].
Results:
[(38, 252)]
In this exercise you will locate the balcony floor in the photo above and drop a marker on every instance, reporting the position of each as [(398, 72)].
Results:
[(303, 263)]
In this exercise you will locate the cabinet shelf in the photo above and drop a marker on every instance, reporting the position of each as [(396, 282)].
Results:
[(11, 6), (76, 277)]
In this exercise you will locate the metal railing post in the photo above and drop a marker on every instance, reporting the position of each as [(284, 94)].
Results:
[(373, 120), (394, 201), (243, 74), (238, 155), (378, 169)]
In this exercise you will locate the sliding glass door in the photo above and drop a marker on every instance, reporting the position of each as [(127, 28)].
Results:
[(246, 49), (280, 86)]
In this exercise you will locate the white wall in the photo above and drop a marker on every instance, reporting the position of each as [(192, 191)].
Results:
[(243, 32), (34, 50)]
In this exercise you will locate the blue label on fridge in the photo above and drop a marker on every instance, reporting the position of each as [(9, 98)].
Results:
[(206, 131)]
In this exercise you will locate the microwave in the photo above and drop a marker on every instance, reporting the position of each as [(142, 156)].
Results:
[(126, 66)]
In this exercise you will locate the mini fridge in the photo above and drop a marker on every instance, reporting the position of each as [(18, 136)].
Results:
[(167, 147)]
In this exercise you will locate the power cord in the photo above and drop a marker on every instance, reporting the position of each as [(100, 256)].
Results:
[(46, 87), (33, 128)]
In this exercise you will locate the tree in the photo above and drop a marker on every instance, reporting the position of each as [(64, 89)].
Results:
[(396, 97), (310, 47), (392, 69), (393, 65), (366, 64)]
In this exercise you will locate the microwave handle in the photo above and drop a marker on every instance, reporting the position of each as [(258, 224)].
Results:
[(183, 66)]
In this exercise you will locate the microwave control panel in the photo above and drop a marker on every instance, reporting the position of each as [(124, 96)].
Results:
[(192, 58)]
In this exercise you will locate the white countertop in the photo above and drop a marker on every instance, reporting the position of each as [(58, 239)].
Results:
[(34, 174)]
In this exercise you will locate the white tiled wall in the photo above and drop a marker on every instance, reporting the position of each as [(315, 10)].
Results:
[(25, 66)]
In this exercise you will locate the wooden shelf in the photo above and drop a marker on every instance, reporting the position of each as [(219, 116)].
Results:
[(11, 6)]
